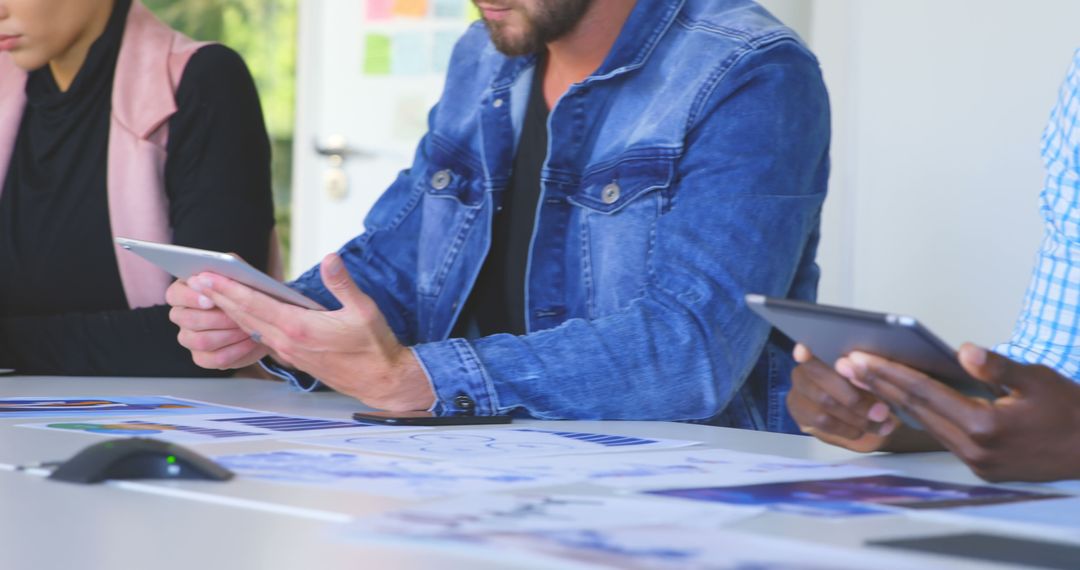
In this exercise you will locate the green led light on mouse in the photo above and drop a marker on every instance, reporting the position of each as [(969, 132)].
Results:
[(137, 458)]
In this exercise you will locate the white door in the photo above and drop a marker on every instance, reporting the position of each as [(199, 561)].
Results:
[(368, 72)]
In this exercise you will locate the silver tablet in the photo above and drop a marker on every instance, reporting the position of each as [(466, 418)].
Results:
[(833, 332), (183, 262)]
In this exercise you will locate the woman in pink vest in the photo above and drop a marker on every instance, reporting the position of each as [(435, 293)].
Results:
[(112, 124)]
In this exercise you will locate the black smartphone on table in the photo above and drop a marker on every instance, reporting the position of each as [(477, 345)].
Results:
[(427, 419)]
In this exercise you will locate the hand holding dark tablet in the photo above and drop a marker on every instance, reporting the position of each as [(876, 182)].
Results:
[(1030, 434), (831, 408), (835, 332)]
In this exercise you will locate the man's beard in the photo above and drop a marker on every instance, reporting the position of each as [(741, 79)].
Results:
[(552, 20)]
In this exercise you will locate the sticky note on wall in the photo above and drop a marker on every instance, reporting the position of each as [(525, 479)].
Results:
[(442, 50), (379, 10), (472, 13), (377, 54), (411, 8), (450, 9), (411, 53)]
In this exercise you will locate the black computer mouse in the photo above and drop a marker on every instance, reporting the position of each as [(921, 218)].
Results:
[(138, 458)]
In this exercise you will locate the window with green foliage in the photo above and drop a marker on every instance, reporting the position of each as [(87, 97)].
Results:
[(264, 33)]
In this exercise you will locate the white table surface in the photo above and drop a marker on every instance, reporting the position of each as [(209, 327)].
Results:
[(45, 524)]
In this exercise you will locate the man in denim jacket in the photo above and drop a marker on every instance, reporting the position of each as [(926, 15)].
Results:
[(686, 164)]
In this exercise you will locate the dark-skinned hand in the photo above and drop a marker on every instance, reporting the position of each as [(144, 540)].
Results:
[(829, 406), (1030, 434)]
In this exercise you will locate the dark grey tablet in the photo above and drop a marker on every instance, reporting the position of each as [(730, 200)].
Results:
[(833, 332)]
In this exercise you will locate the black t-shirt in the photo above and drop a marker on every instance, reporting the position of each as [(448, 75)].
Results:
[(497, 302), (62, 305)]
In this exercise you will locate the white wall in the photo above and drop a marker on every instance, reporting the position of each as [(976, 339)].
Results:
[(798, 14), (938, 110)]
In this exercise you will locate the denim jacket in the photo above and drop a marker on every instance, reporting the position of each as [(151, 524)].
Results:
[(688, 170)]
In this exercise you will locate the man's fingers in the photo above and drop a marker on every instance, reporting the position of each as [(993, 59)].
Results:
[(952, 436), (198, 320), (912, 390), (852, 404), (995, 369), (815, 420), (802, 354), (817, 373), (246, 299), (210, 341), (288, 344), (228, 357), (822, 402), (249, 322), (341, 285), (845, 368), (179, 294), (960, 423)]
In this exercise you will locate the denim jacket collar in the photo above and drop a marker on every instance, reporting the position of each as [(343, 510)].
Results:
[(648, 22)]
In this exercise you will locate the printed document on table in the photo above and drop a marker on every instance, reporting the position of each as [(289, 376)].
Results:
[(663, 547), (215, 428), (106, 407), (498, 443), (688, 468), (387, 476), (542, 512), (857, 496)]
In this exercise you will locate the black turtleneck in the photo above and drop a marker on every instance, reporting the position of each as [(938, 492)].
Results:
[(62, 306)]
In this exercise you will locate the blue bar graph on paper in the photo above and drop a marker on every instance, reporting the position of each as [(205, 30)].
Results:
[(215, 433), (605, 440), (289, 424)]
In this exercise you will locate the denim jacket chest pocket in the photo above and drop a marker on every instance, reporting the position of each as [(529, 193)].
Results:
[(616, 211), (453, 199)]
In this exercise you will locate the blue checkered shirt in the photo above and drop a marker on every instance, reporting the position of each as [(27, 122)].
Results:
[(1048, 330)]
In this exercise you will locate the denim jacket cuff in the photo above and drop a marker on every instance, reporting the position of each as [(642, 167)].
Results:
[(296, 379), (459, 381)]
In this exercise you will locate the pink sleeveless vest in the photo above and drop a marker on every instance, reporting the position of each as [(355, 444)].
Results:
[(149, 67)]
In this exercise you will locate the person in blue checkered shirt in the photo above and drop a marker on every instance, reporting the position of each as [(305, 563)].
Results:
[(1032, 433)]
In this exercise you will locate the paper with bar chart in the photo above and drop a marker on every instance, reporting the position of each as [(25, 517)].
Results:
[(212, 428), (107, 407), (688, 468), (495, 443), (540, 512), (399, 477)]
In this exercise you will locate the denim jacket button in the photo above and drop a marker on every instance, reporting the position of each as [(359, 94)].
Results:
[(611, 193), (464, 403), (441, 180), (498, 103)]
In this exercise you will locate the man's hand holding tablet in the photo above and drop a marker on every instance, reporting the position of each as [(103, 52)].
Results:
[(230, 324)]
